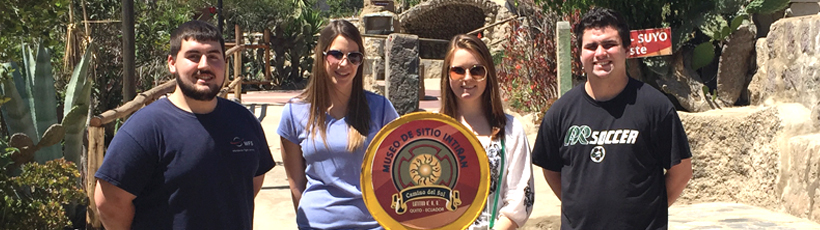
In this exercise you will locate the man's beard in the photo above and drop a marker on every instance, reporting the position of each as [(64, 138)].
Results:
[(190, 91)]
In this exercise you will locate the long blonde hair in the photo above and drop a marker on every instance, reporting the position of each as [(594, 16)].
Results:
[(491, 98), (318, 89)]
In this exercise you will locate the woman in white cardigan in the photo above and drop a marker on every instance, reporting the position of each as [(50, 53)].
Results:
[(470, 94)]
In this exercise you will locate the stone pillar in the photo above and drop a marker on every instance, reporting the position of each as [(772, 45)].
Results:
[(564, 56), (373, 70), (421, 81), (401, 54), (370, 6), (803, 7)]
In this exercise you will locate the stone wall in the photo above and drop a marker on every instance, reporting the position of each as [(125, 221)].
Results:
[(443, 19), (788, 62), (727, 165), (801, 177), (803, 7), (432, 68), (766, 156)]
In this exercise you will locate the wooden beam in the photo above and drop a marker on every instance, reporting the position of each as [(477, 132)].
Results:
[(491, 25), (234, 49), (237, 56), (96, 150), (129, 81), (133, 105), (237, 88), (266, 37), (102, 21), (420, 39), (236, 82), (220, 21)]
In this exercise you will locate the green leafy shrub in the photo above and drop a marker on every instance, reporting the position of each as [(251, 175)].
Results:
[(527, 68), (292, 25), (683, 16), (36, 199), (343, 8), (31, 21)]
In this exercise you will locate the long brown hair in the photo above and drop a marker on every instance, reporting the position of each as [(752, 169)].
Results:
[(318, 89), (490, 98)]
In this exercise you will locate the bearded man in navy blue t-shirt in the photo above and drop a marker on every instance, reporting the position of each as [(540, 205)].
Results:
[(188, 161), (604, 145)]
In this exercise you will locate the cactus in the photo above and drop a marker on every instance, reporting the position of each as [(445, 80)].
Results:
[(16, 110), (75, 116), (766, 6), (26, 147), (714, 26), (34, 115), (703, 55), (718, 29)]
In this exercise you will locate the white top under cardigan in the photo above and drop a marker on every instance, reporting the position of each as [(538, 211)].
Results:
[(517, 191)]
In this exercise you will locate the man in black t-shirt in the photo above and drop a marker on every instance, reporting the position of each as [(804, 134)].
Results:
[(188, 161), (604, 145)]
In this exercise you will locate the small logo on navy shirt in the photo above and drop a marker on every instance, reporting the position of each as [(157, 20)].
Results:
[(597, 154), (242, 145)]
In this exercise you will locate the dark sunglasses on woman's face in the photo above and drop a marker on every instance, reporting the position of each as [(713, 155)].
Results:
[(477, 72), (335, 56)]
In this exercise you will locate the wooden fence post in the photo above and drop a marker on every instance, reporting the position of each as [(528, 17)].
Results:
[(266, 37), (237, 60), (564, 56), (96, 150)]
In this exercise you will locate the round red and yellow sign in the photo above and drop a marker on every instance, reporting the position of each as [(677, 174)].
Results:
[(425, 171)]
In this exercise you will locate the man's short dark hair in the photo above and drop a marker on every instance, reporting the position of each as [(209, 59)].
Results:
[(197, 30), (600, 17)]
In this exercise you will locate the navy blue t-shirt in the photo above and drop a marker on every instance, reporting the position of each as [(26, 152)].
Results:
[(189, 171)]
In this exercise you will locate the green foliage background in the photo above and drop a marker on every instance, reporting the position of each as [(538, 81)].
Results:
[(343, 8), (29, 21), (683, 16), (32, 21), (36, 199)]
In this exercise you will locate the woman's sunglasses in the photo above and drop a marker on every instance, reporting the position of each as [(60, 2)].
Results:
[(477, 72), (335, 56)]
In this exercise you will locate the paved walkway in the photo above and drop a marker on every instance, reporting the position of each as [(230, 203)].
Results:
[(274, 209)]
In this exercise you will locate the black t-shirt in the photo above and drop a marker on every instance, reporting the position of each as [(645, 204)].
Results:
[(189, 171), (612, 156)]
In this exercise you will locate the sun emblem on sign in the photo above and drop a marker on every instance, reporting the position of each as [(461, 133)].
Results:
[(425, 169)]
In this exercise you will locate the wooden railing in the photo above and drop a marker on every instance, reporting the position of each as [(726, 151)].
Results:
[(96, 130)]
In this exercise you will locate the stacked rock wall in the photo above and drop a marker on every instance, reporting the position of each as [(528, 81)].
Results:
[(767, 154), (803, 7), (788, 62), (727, 165)]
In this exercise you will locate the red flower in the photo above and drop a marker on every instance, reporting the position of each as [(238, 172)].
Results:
[(518, 66), (212, 10)]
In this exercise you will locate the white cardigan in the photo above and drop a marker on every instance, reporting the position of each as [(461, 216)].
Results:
[(517, 190)]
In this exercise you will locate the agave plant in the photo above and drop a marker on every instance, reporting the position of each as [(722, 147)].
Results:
[(31, 113)]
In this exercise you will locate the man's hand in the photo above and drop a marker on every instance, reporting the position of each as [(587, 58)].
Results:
[(115, 206)]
